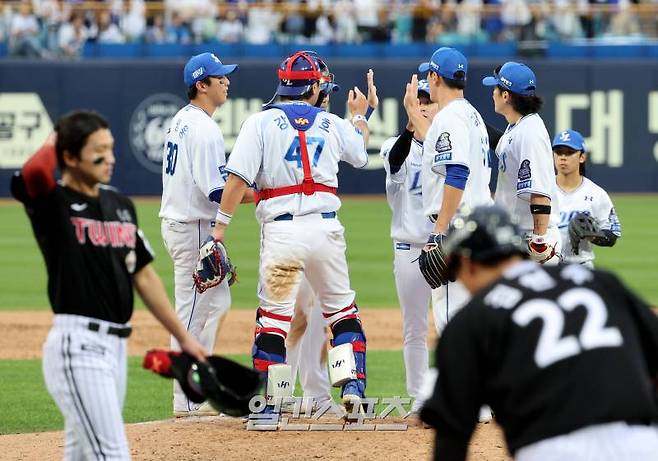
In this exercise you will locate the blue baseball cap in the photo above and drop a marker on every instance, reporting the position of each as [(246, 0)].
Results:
[(205, 65), (570, 138), (515, 77), (424, 86), (446, 62)]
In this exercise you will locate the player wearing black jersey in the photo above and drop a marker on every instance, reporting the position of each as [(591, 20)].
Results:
[(95, 254), (566, 357)]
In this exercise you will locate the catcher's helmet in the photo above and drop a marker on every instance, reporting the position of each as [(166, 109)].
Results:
[(297, 74), (485, 235), (327, 79)]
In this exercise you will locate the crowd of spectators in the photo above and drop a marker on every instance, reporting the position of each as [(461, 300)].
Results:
[(52, 28)]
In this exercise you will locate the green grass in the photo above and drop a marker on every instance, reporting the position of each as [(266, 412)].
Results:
[(367, 224), (26, 406)]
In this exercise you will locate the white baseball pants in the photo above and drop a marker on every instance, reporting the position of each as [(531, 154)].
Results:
[(200, 313), (85, 373)]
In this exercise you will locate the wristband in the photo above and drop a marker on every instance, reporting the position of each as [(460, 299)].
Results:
[(359, 118), (540, 209), (223, 218), (369, 112)]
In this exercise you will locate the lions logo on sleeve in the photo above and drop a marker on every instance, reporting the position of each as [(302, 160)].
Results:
[(443, 148), (525, 176)]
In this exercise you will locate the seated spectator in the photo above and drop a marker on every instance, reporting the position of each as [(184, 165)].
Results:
[(108, 32), (177, 31), (72, 36), (155, 33), (230, 29), (24, 33)]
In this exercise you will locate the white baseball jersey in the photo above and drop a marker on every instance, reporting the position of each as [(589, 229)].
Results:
[(267, 153), (192, 167), (458, 136), (591, 199), (405, 197), (525, 167)]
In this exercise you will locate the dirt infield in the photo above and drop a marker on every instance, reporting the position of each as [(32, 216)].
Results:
[(25, 331), (226, 439)]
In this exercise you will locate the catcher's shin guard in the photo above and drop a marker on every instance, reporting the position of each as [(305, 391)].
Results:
[(268, 349), (350, 331)]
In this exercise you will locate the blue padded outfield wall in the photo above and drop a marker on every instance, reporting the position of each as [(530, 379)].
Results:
[(615, 105)]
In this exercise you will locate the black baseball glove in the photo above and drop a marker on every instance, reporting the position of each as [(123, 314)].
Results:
[(583, 226), (432, 262)]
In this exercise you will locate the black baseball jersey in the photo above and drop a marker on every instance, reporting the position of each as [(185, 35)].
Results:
[(551, 350), (92, 247)]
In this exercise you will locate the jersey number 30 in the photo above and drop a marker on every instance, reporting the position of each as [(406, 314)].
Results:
[(552, 347), (172, 157)]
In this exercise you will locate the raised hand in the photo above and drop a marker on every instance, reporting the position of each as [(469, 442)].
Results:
[(373, 100)]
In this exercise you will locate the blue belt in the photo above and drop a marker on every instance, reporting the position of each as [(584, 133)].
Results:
[(288, 216)]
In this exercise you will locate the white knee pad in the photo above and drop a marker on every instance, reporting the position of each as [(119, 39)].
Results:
[(342, 365), (279, 382)]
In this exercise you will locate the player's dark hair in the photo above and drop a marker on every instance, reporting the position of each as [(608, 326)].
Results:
[(300, 97), (457, 83), (192, 91), (524, 105), (73, 130), (566, 150)]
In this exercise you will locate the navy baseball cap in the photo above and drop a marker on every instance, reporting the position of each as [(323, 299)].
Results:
[(515, 77), (424, 86), (205, 65), (571, 139), (446, 62)]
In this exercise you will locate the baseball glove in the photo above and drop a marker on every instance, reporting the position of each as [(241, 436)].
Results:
[(582, 226), (432, 262), (213, 266), (226, 385)]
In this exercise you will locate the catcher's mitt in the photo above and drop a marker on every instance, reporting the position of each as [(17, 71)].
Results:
[(582, 226), (432, 262), (213, 266)]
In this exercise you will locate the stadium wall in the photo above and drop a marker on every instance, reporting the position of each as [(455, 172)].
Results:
[(614, 104)]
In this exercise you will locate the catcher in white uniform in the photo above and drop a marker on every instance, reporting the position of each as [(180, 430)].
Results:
[(526, 186), (306, 342), (403, 158), (193, 177), (587, 215), (291, 152), (456, 169)]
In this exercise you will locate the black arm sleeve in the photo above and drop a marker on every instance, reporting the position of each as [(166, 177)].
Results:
[(606, 239), (400, 150), (494, 135)]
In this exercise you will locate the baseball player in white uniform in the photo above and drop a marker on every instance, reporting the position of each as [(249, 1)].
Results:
[(456, 169), (584, 206), (193, 177), (306, 342), (291, 152), (526, 185), (403, 158)]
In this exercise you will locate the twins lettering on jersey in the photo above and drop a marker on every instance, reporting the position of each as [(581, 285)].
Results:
[(103, 233)]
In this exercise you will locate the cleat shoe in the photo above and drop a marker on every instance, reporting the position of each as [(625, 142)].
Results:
[(205, 409), (352, 393), (486, 414)]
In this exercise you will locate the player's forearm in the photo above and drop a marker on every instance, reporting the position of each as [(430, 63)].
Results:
[(365, 131), (249, 196), (452, 197), (233, 194), (540, 220), (152, 291), (39, 171)]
